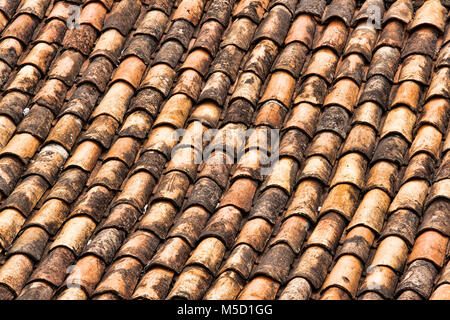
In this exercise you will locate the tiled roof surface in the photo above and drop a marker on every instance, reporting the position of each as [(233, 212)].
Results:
[(100, 199)]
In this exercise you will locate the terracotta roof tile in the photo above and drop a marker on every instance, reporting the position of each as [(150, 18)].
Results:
[(432, 13), (154, 285), (262, 288), (99, 187), (401, 10)]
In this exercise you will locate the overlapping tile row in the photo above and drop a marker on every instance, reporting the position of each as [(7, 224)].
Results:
[(126, 264), (23, 188), (350, 260), (272, 196), (358, 150), (25, 17), (430, 251), (103, 197), (19, 85), (343, 280), (43, 172), (436, 209), (8, 9), (42, 59), (132, 197)]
